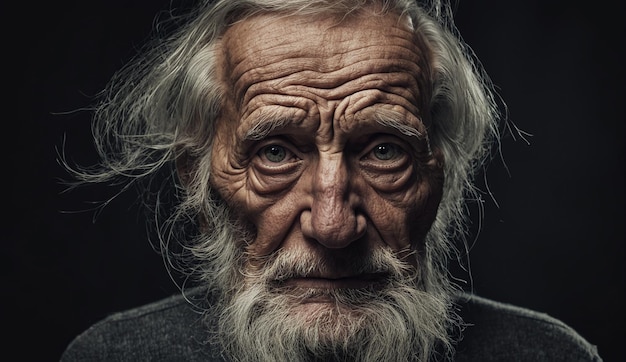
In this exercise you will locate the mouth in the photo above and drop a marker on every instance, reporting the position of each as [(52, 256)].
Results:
[(361, 281)]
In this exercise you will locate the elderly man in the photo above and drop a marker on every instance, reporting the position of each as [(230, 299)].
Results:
[(323, 149)]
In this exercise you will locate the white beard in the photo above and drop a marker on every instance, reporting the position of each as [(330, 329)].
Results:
[(262, 321)]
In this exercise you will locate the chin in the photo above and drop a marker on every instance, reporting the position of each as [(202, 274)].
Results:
[(313, 306), (301, 324)]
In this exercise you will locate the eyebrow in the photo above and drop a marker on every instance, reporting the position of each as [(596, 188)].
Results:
[(391, 119), (265, 124)]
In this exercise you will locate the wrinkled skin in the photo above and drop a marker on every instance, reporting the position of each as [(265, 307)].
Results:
[(327, 179)]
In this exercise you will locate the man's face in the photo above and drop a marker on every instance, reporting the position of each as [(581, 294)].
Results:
[(322, 148)]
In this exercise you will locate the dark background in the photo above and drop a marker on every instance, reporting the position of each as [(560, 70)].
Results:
[(555, 244)]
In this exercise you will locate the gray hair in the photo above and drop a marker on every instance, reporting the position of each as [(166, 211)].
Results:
[(163, 106)]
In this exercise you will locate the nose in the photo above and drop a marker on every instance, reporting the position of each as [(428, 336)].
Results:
[(334, 219)]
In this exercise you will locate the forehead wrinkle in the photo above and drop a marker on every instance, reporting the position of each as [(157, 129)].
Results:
[(252, 62), (399, 77), (388, 57), (378, 87), (263, 28), (269, 100)]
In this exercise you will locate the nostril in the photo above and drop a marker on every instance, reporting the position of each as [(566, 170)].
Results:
[(361, 225)]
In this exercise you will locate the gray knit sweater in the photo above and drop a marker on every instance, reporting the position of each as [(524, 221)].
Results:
[(173, 330)]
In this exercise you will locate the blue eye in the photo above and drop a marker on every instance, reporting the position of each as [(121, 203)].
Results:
[(386, 151), (274, 153)]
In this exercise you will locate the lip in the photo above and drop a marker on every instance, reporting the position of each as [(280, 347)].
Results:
[(350, 282)]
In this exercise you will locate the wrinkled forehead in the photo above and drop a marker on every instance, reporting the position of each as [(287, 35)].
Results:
[(323, 59), (324, 47), (315, 34)]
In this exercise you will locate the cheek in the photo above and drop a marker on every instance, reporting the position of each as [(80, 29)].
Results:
[(273, 222), (269, 220), (391, 219), (404, 217)]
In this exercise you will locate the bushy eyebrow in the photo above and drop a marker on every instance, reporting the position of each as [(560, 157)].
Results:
[(392, 119), (265, 124), (263, 127)]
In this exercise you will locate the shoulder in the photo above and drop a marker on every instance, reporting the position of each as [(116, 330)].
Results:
[(497, 331), (172, 327)]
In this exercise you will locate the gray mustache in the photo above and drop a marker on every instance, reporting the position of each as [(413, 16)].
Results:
[(284, 265)]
